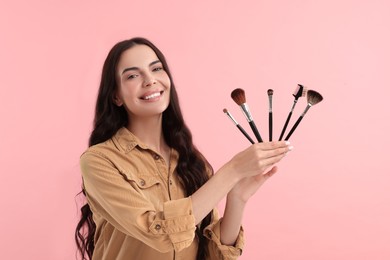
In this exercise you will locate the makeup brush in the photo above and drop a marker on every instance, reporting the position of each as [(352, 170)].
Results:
[(299, 92), (238, 125), (270, 92), (313, 98), (238, 95)]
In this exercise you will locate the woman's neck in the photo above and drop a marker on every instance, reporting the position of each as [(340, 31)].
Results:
[(149, 131)]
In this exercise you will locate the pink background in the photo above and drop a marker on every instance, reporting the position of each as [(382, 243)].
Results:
[(331, 197)]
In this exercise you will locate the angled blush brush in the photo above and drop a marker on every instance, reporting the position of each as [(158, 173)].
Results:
[(299, 92), (313, 98), (238, 95), (238, 125), (270, 92)]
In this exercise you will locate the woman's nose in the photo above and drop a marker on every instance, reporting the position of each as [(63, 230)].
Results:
[(149, 81)]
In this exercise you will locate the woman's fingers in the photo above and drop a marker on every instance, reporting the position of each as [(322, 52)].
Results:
[(273, 153), (268, 154), (268, 162), (258, 158), (268, 151), (268, 174), (272, 145)]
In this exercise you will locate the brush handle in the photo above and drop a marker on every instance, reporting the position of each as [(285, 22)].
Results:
[(245, 133), (270, 125), (285, 126), (293, 128), (255, 131)]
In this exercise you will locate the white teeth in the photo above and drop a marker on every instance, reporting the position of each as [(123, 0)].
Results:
[(157, 94)]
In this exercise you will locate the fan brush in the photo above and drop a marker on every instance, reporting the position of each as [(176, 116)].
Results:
[(313, 98)]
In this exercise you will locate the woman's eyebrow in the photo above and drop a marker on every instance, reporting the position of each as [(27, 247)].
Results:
[(154, 62), (136, 68), (127, 69)]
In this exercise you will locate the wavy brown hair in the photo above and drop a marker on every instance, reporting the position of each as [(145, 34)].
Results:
[(192, 168)]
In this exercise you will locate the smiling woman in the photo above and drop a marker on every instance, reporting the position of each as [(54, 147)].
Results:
[(150, 193), (143, 80)]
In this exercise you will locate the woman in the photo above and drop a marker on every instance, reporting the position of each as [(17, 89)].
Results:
[(150, 193)]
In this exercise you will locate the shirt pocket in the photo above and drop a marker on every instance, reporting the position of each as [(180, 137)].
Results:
[(145, 182), (148, 186)]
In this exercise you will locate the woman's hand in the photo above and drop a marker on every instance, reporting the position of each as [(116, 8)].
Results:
[(258, 158), (248, 186), (268, 154)]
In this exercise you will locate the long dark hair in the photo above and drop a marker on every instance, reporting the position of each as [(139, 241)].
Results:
[(192, 168)]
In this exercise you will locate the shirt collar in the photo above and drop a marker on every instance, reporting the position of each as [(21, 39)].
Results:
[(127, 141)]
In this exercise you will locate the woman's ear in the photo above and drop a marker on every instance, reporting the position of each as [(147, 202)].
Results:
[(117, 100)]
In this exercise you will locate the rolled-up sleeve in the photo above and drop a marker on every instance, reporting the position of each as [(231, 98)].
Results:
[(178, 221), (120, 201), (218, 251)]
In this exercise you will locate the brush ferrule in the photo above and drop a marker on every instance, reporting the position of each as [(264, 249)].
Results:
[(293, 106), (231, 118), (270, 103), (246, 111), (306, 109)]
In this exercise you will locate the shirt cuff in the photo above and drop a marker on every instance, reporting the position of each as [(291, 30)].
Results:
[(213, 233), (178, 223)]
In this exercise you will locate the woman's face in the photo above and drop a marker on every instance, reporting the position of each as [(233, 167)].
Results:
[(143, 84)]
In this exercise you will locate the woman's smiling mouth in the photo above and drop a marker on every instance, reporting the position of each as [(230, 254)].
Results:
[(152, 96)]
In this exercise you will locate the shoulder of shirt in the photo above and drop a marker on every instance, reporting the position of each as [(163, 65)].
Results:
[(123, 141)]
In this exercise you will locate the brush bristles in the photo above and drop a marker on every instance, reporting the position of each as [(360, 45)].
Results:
[(304, 92), (270, 92), (238, 95), (313, 97), (225, 110), (300, 91)]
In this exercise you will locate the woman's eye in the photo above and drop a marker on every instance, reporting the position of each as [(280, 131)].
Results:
[(157, 69), (132, 76)]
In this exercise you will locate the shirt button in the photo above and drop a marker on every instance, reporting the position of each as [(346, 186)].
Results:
[(170, 182), (156, 157), (158, 227), (142, 182)]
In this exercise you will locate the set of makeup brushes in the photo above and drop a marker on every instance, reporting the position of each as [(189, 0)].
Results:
[(238, 95)]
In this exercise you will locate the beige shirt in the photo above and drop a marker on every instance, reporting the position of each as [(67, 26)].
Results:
[(139, 205)]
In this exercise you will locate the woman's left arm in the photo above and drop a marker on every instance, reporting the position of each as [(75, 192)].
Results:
[(235, 205)]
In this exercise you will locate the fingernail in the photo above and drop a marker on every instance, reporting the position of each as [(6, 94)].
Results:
[(290, 147), (287, 142)]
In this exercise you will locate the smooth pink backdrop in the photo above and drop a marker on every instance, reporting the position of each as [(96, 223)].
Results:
[(331, 196)]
